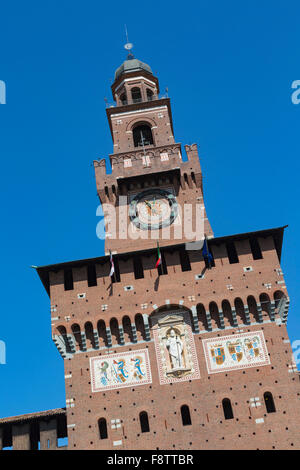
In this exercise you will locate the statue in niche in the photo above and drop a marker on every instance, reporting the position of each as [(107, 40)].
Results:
[(175, 348)]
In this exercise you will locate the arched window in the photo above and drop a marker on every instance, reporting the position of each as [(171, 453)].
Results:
[(149, 94), (278, 295), (136, 95), (142, 135), (202, 318), (214, 315), (89, 333), (115, 332), (266, 306), (77, 335), (185, 415), (101, 327), (102, 428), (227, 312), (253, 312), (240, 311), (227, 408), (140, 327), (126, 323), (144, 422), (123, 98), (269, 402)]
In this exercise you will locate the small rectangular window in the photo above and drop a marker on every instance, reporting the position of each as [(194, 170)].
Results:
[(231, 253), (184, 260), (92, 278), (68, 278), (255, 249), (138, 267)]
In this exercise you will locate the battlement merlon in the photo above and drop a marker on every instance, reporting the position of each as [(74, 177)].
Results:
[(141, 166)]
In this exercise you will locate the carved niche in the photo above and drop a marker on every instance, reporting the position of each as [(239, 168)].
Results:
[(175, 349)]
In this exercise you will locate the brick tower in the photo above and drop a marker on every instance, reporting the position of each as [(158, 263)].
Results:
[(193, 354)]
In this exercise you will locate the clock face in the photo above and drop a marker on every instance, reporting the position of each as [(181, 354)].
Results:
[(153, 209)]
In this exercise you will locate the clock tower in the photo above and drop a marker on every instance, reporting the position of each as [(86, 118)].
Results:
[(186, 354), (151, 193)]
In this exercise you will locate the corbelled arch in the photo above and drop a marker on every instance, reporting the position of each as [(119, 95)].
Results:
[(136, 121), (173, 309)]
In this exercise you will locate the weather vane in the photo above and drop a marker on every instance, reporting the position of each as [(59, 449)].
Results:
[(128, 46)]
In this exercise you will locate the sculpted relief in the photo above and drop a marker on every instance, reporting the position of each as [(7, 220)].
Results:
[(175, 349)]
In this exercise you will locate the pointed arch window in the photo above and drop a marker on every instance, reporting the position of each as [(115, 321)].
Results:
[(144, 421), (269, 402), (185, 415), (227, 408)]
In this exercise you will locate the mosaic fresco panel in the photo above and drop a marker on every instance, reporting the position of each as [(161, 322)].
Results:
[(239, 351), (124, 369)]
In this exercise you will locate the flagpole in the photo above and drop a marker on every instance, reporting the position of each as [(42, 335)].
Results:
[(159, 258), (112, 266), (209, 261), (207, 251)]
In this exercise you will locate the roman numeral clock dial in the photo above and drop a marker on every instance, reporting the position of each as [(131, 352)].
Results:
[(153, 209)]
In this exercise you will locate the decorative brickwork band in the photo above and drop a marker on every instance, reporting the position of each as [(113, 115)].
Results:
[(134, 335), (247, 315), (108, 336), (283, 308), (208, 317), (147, 328), (221, 316), (83, 341), (195, 319), (234, 317), (259, 312), (272, 310), (121, 334), (71, 342), (96, 339), (60, 344)]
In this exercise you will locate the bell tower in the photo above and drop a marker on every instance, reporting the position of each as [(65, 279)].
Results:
[(133, 121), (151, 193), (166, 352)]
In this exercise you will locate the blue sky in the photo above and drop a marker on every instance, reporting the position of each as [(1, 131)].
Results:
[(229, 67)]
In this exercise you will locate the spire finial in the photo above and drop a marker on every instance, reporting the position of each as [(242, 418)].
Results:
[(128, 46)]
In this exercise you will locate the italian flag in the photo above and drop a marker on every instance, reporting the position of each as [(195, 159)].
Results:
[(158, 262), (112, 266)]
